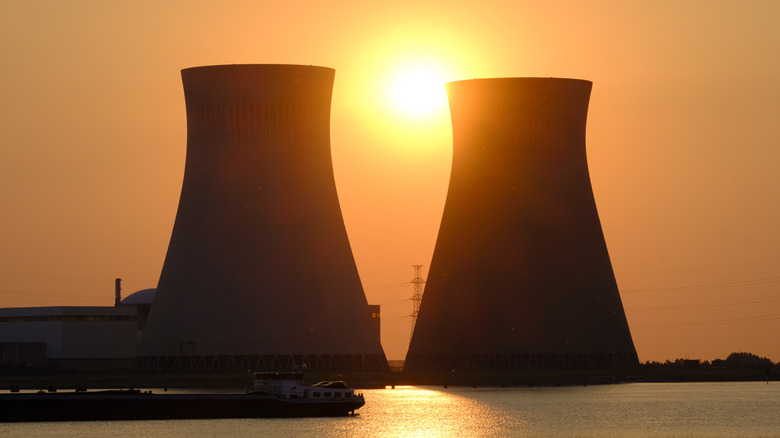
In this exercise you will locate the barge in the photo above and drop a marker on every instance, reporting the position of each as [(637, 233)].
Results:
[(271, 395)]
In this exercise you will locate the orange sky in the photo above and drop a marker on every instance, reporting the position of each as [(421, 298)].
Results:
[(683, 146)]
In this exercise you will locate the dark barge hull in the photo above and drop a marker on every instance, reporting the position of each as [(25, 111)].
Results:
[(146, 406)]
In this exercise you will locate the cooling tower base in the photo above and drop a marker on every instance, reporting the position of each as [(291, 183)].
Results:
[(256, 363), (514, 362)]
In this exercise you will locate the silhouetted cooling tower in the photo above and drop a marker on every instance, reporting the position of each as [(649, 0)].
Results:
[(259, 272), (520, 275)]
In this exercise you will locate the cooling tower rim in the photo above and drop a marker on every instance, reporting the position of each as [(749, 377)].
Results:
[(520, 80), (259, 67)]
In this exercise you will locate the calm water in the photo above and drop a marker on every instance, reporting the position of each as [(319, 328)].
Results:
[(626, 410)]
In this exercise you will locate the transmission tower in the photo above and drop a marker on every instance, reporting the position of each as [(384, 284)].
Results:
[(418, 283)]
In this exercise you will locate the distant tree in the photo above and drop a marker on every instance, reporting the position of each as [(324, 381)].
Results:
[(747, 360), (718, 363)]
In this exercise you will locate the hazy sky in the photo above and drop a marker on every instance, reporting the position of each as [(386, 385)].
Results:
[(682, 139)]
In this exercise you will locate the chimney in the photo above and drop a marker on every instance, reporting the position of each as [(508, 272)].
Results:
[(117, 291)]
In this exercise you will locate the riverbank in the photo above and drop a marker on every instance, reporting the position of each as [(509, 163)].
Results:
[(593, 377), (373, 380)]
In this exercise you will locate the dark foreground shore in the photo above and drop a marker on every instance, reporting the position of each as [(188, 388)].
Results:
[(239, 381)]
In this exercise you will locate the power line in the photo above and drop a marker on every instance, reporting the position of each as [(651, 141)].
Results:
[(393, 302), (397, 318), (387, 286), (704, 268), (48, 294), (712, 322), (740, 283), (52, 277), (709, 305)]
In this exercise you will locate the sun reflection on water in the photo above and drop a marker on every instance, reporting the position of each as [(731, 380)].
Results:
[(424, 412)]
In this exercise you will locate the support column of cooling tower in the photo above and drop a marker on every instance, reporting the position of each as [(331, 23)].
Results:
[(520, 276), (419, 284)]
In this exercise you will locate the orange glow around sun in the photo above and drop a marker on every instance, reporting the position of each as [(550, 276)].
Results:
[(397, 90), (417, 91)]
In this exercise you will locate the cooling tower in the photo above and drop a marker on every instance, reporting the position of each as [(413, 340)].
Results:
[(259, 273), (520, 276)]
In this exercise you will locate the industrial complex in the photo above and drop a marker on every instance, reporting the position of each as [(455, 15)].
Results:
[(259, 273)]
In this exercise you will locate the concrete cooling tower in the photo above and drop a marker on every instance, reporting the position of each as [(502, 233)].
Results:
[(520, 276), (259, 273)]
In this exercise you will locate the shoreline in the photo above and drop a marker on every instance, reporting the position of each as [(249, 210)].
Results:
[(525, 378)]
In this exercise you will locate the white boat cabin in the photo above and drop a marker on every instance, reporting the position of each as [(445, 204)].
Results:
[(290, 385)]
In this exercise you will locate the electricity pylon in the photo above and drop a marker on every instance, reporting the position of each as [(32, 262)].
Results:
[(418, 283)]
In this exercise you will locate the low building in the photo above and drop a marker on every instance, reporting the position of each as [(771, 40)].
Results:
[(68, 338)]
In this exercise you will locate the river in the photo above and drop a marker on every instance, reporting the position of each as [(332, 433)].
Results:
[(744, 409)]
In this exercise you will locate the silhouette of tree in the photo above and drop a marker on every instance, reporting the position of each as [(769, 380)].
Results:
[(747, 360)]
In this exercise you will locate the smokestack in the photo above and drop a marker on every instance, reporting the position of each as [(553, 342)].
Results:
[(117, 291)]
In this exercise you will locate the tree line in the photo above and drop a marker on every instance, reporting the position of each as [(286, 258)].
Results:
[(737, 360)]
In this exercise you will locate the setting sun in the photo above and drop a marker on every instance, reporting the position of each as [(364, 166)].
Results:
[(417, 91)]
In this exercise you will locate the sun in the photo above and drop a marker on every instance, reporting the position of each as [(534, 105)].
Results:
[(417, 91)]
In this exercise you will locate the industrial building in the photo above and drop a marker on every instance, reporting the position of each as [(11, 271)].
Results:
[(74, 339), (259, 272), (68, 339), (520, 276)]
